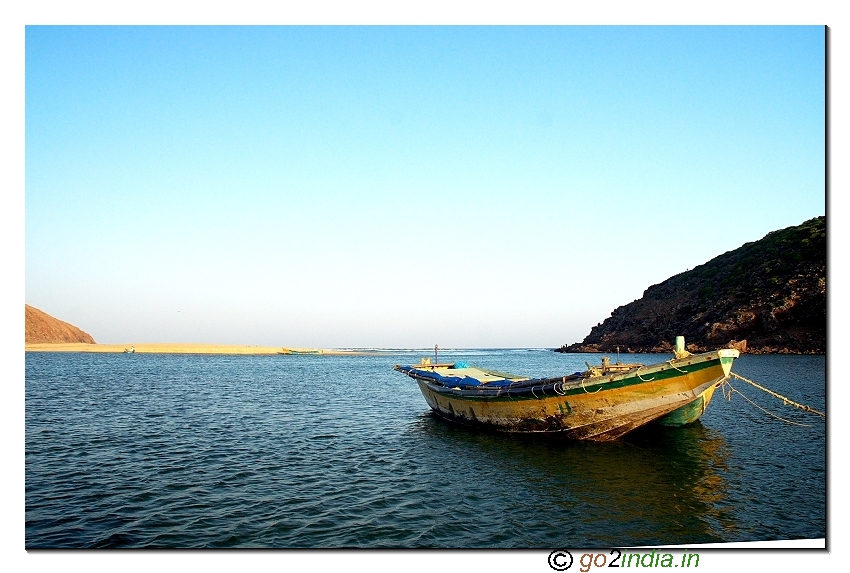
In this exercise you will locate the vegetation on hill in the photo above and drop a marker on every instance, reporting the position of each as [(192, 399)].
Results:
[(768, 296), (43, 328)]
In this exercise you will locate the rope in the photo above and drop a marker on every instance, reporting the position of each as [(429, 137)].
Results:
[(585, 389), (787, 401), (670, 362), (729, 397), (642, 379)]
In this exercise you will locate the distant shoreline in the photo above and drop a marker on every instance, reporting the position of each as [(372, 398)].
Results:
[(187, 348), (234, 349)]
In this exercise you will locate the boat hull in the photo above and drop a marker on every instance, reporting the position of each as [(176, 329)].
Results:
[(689, 413), (599, 408)]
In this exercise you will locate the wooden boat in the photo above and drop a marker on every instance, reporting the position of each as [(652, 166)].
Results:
[(602, 403)]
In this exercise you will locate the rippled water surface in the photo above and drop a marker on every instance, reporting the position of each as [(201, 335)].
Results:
[(341, 451)]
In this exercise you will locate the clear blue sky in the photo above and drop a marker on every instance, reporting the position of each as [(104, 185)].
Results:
[(402, 186)]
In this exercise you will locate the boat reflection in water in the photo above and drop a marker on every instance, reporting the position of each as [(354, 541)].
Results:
[(657, 486)]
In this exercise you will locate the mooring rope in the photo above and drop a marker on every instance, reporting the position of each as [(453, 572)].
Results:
[(728, 396), (787, 401)]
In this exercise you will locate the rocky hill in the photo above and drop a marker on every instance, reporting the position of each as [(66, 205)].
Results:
[(43, 328), (768, 296)]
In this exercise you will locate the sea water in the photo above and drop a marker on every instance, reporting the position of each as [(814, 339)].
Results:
[(186, 451)]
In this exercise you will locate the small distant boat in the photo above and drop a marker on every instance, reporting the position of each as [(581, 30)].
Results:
[(301, 351), (602, 403), (131, 350)]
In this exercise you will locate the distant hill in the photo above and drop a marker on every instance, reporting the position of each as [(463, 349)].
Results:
[(769, 293), (43, 328)]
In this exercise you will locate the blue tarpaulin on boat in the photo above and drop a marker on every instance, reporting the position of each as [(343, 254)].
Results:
[(452, 381)]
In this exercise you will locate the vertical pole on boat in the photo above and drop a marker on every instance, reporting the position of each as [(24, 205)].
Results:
[(435, 355)]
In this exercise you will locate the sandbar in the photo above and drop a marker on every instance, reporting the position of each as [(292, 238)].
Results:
[(188, 348)]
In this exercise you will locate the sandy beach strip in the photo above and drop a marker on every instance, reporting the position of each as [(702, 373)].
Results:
[(188, 348)]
